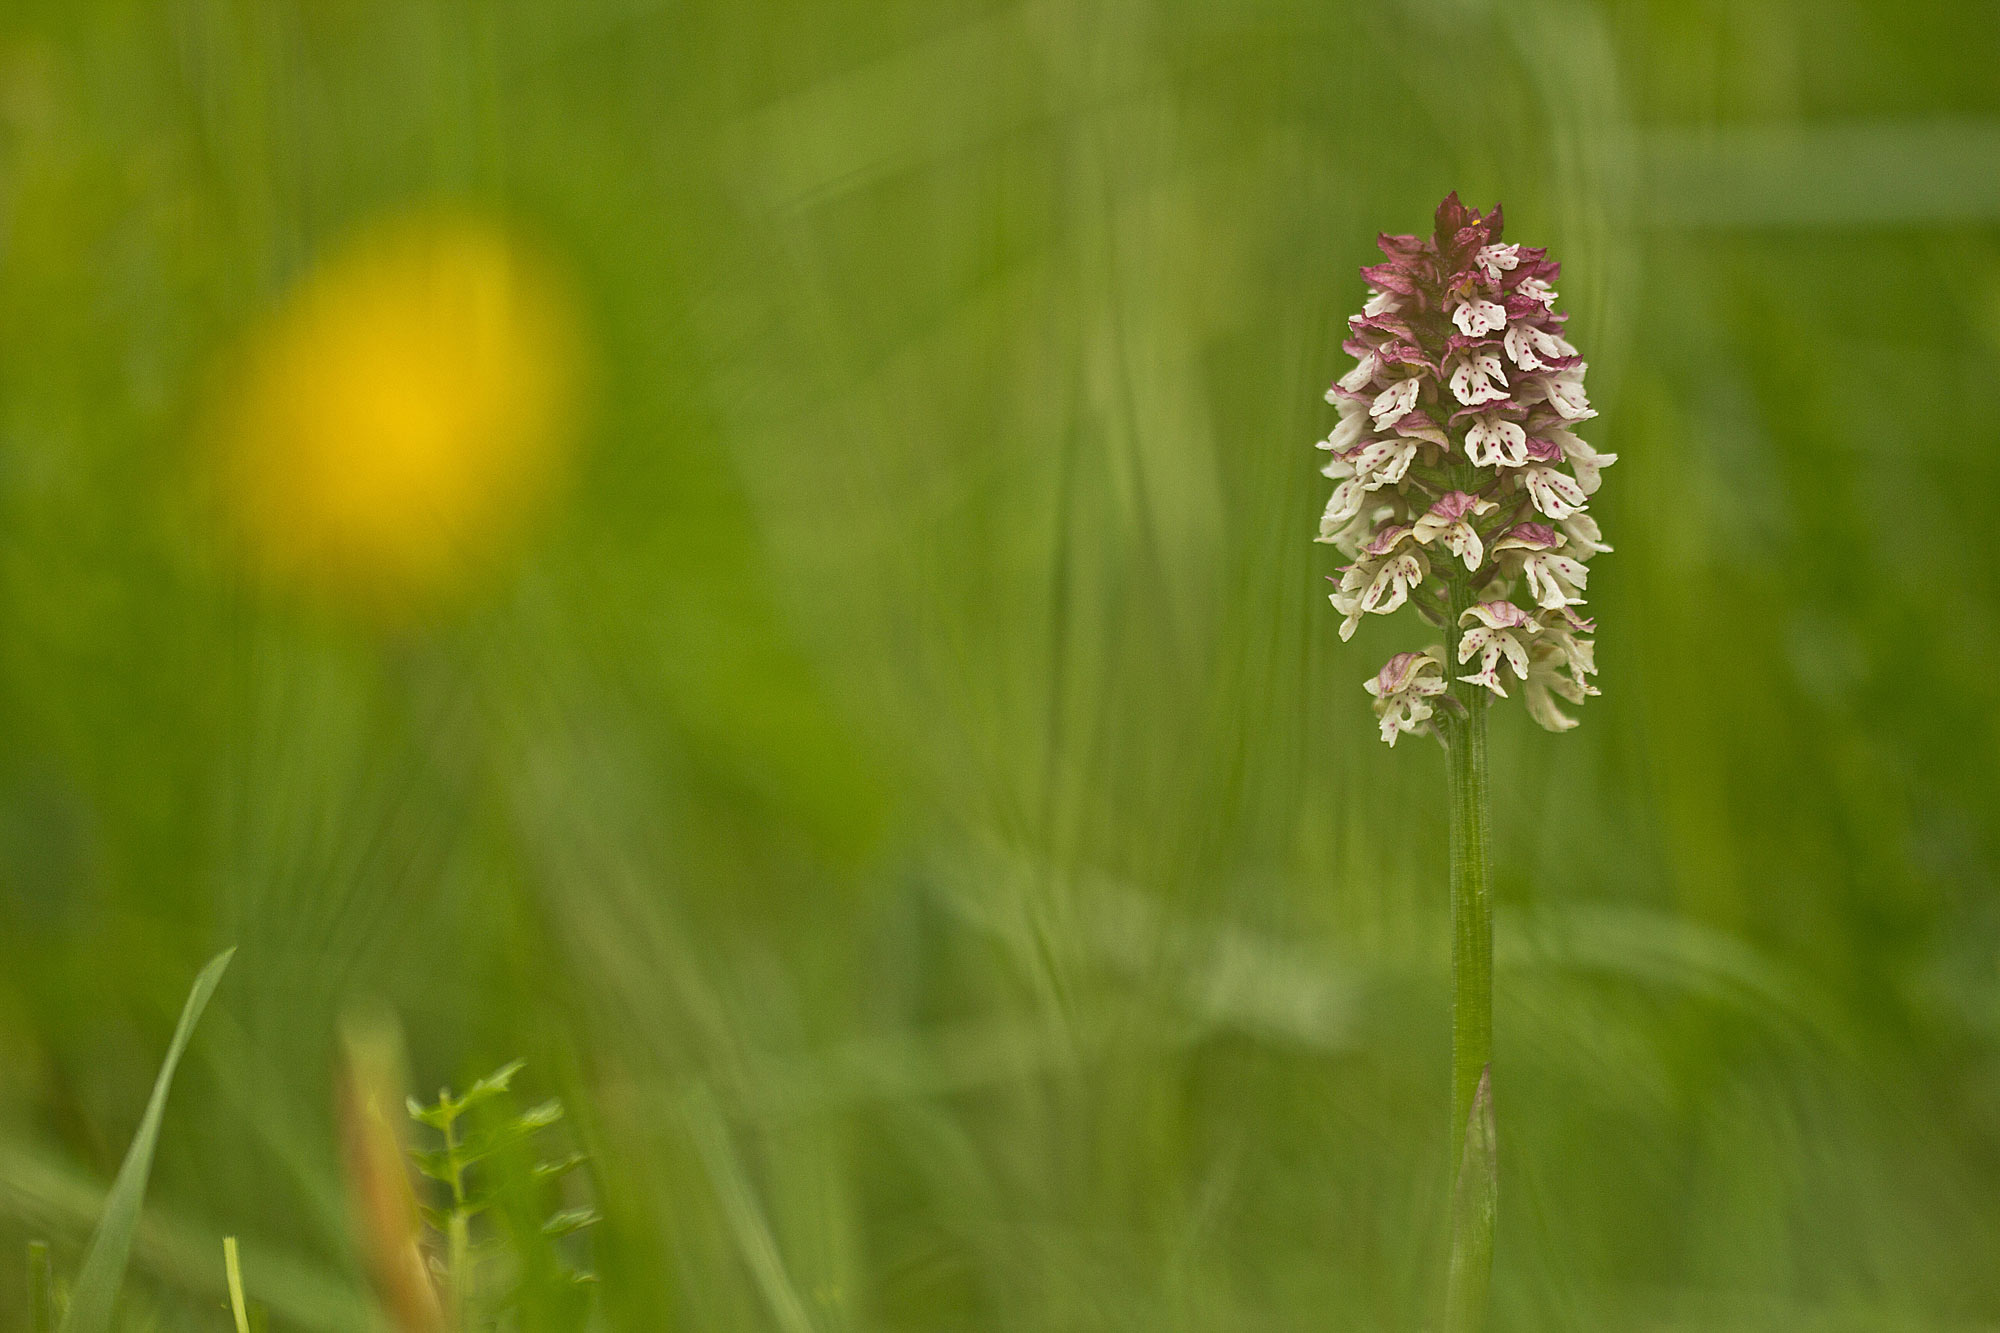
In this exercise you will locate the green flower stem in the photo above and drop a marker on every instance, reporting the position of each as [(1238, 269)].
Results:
[(1473, 1153)]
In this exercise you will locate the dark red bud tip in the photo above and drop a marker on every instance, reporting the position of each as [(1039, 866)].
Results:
[(1451, 217), (1460, 228)]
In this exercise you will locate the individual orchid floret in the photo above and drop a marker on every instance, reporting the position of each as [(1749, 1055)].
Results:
[(1477, 377), (1546, 665), (1341, 509), (1458, 478), (1390, 567), (1584, 461), (1565, 394), (1553, 580), (1584, 537), (1403, 690), (1560, 663), (1380, 463), (1352, 430), (1397, 565), (1533, 348), (1539, 292), (1449, 523), (1394, 402), (1393, 582), (1359, 531), (1491, 440), (1554, 492), (1560, 628), (1496, 633), (1476, 319), (1494, 260)]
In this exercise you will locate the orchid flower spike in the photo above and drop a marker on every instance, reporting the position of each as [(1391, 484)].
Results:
[(1462, 488)]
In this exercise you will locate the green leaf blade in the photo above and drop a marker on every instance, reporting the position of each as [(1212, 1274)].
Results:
[(1475, 1199), (41, 1289), (103, 1272), (232, 1266)]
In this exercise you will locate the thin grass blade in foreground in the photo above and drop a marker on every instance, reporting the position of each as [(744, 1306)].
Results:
[(232, 1268), (104, 1266), (41, 1289)]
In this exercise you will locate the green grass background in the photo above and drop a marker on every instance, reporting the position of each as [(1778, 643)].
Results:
[(911, 801)]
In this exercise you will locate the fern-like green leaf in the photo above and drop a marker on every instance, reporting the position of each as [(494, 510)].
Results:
[(540, 1117), (476, 1148), (493, 1084), (439, 1116), (433, 1163), (571, 1220), (560, 1167)]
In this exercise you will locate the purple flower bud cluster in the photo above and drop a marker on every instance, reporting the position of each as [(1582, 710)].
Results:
[(1461, 482)]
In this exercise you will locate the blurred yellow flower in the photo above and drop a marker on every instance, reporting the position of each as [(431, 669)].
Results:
[(402, 414)]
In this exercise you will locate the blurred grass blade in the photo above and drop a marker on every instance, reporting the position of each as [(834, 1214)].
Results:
[(1473, 1205), (104, 1267), (233, 1268), (41, 1289), (746, 1217), (372, 1098)]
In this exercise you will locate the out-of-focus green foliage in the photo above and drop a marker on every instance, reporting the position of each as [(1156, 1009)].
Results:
[(909, 799)]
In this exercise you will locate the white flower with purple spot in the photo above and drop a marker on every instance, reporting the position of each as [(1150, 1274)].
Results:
[(1493, 260), (1382, 463), (1585, 540), (1476, 319), (1538, 291), (1449, 523), (1477, 378), (1584, 461), (1546, 665), (1394, 402), (1533, 348), (1382, 578), (1565, 394), (1498, 634), (1560, 627), (1532, 549), (1491, 440), (1341, 508), (1555, 493), (1403, 690)]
